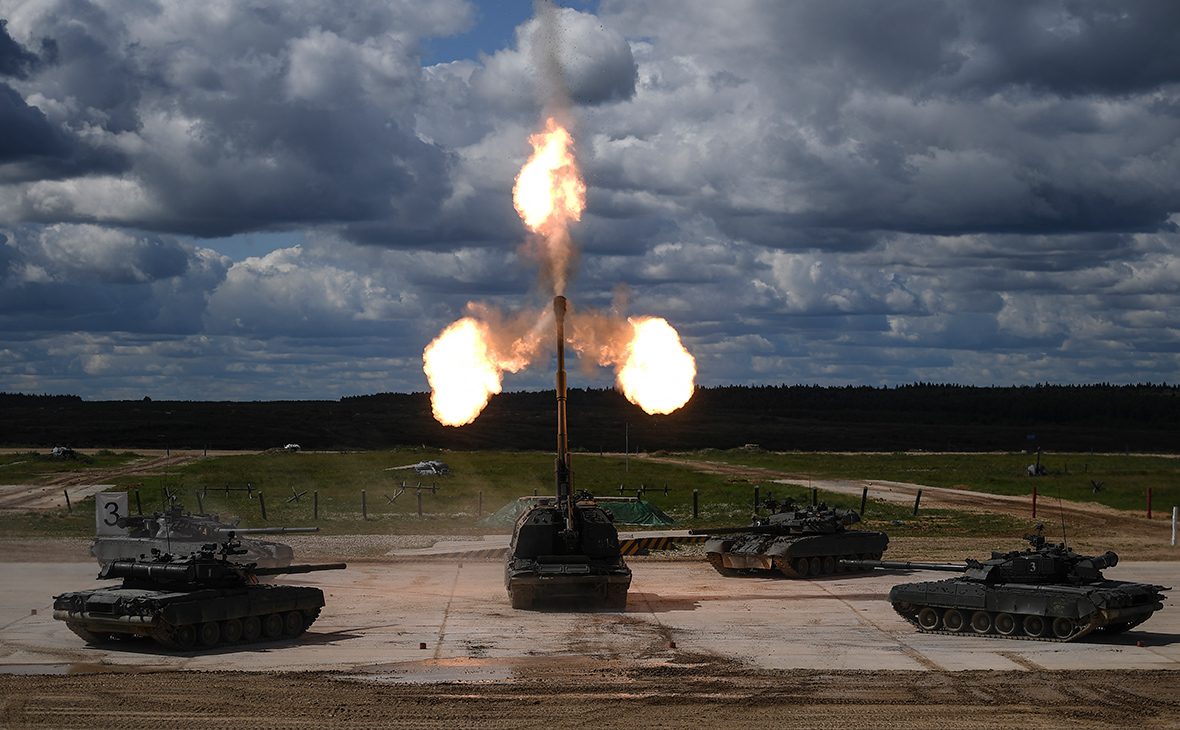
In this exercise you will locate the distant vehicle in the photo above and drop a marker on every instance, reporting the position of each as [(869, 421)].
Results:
[(291, 447), (203, 598), (795, 541), (178, 532), (63, 452), (1046, 592), (432, 467)]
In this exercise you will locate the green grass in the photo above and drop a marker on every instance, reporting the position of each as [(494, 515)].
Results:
[(34, 467), (339, 479), (1124, 480)]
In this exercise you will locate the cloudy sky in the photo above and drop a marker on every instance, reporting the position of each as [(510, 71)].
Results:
[(249, 200)]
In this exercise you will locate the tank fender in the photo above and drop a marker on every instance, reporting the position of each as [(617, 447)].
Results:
[(1039, 604), (945, 594), (718, 545)]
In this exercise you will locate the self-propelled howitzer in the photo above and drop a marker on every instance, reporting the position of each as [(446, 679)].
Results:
[(567, 547), (203, 598), (796, 541), (1045, 592)]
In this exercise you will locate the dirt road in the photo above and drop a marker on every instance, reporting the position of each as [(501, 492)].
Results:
[(581, 693), (85, 482)]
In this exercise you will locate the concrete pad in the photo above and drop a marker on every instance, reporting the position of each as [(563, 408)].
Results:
[(378, 616)]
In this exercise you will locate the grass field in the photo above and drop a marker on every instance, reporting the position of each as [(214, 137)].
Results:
[(336, 481)]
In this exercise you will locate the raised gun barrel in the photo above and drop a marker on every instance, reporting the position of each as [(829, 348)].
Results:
[(905, 565)]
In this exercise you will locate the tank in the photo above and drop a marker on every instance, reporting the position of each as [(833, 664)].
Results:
[(567, 547), (178, 532), (203, 599), (1045, 592), (798, 542)]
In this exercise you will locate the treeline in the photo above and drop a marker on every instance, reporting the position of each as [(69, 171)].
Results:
[(1137, 418)]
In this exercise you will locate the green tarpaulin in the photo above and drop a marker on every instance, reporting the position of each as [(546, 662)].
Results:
[(627, 511)]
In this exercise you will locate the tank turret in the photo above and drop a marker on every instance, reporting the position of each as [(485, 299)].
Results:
[(1046, 592), (568, 546), (178, 532), (203, 598), (795, 541)]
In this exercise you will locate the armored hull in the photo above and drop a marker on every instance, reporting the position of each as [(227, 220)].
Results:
[(795, 556), (1045, 593), (1024, 611), (796, 541), (187, 619), (203, 600), (180, 533), (542, 566)]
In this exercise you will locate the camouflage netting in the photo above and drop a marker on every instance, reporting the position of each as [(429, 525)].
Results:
[(627, 511)]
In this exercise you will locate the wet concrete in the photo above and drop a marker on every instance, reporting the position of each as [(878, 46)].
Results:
[(379, 616)]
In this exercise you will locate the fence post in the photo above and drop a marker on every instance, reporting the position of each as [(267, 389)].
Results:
[(315, 500), (864, 498), (364, 506), (1175, 510), (480, 513), (755, 499), (138, 506), (1149, 503), (917, 500), (419, 502), (262, 504), (69, 508), (815, 496), (696, 493)]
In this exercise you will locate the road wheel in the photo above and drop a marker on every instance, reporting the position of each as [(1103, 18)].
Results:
[(802, 567), (209, 633), (981, 622), (815, 566), (929, 619), (231, 630), (1005, 624), (840, 566), (1063, 628), (272, 626), (1034, 625), (829, 565), (251, 628), (185, 636), (952, 620), (293, 623)]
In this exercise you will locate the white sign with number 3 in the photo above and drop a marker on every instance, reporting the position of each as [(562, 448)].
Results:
[(108, 508)]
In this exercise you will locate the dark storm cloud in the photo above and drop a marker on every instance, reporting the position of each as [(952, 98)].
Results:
[(864, 191)]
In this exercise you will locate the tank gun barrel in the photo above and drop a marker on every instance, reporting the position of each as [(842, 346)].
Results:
[(764, 529), (905, 565), (299, 569), (265, 530)]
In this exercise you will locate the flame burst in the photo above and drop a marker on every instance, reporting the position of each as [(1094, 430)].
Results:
[(549, 195), (657, 373)]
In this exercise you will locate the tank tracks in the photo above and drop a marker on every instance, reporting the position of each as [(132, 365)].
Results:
[(213, 634), (801, 567), (990, 625)]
